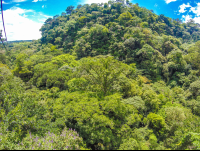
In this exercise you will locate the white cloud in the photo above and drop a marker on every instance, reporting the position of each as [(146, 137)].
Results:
[(197, 19), (96, 1), (19, 1), (196, 10), (19, 26), (186, 18), (44, 6), (4, 2), (183, 7), (38, 0), (169, 1)]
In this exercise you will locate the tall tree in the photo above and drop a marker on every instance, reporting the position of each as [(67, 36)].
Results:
[(69, 9), (103, 72)]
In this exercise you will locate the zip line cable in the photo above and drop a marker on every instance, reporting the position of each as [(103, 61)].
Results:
[(3, 21), (3, 26)]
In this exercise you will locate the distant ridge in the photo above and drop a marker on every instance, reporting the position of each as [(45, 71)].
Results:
[(17, 41)]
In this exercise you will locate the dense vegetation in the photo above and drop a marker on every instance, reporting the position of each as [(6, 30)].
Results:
[(103, 76)]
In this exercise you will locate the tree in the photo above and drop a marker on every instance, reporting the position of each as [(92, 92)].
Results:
[(79, 6), (58, 40), (23, 68), (63, 14), (195, 88), (2, 58), (94, 42), (48, 20), (106, 5), (157, 123), (55, 17), (127, 2), (150, 60), (130, 144), (190, 141), (103, 73), (69, 9), (124, 17)]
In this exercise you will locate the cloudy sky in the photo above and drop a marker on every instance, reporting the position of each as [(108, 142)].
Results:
[(24, 18)]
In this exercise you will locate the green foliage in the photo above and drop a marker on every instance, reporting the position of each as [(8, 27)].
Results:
[(82, 20), (124, 17), (137, 102), (130, 144), (157, 123), (97, 121), (77, 84), (190, 141), (194, 106), (69, 9), (102, 73), (144, 24), (194, 88), (150, 60), (145, 138), (120, 75), (67, 140), (23, 68), (54, 73), (93, 43), (3, 58), (174, 117)]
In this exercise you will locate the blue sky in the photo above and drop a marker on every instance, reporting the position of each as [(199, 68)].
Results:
[(24, 18)]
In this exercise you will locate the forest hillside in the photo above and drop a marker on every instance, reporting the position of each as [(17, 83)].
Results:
[(103, 76)]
